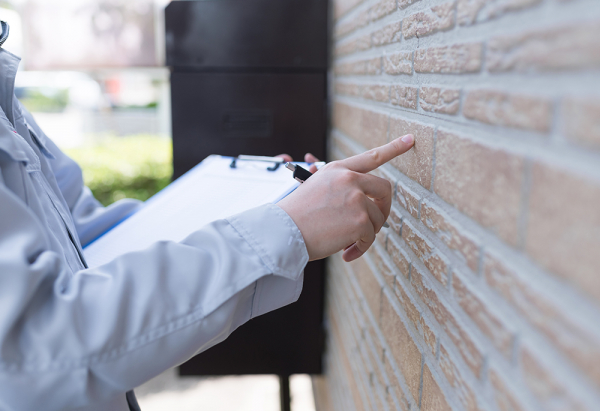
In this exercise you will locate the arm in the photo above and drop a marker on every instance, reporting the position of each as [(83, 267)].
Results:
[(92, 335)]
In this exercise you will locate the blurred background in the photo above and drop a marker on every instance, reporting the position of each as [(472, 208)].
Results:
[(99, 89), (93, 75)]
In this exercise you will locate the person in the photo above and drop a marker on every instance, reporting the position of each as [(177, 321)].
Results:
[(78, 337)]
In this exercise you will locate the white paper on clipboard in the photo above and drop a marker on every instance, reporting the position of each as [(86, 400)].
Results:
[(210, 191)]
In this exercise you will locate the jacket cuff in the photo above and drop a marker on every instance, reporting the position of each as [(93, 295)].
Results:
[(275, 238)]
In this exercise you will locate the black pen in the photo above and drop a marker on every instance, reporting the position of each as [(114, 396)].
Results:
[(301, 174)]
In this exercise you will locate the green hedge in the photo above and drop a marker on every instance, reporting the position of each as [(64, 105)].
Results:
[(125, 167)]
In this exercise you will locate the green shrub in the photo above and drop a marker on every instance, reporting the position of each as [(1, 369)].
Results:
[(126, 167)]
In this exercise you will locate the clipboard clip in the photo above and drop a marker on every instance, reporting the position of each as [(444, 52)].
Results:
[(277, 161)]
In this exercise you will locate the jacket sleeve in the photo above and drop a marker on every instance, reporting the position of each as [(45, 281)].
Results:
[(91, 218), (73, 339)]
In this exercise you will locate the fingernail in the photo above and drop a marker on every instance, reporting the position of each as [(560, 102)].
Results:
[(408, 139)]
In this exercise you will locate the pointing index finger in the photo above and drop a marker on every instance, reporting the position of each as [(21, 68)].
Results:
[(370, 160)]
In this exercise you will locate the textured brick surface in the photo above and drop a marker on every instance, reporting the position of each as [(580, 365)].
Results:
[(503, 109), (359, 67), (488, 322), (459, 58), (433, 398), (399, 256), (376, 92), (484, 291), (403, 348), (382, 8), (367, 127), (546, 385), (505, 399), (404, 96), (581, 119), (417, 163), (471, 11), (557, 235), (433, 260), (389, 34), (462, 389), (572, 47), (483, 182), (566, 333), (469, 351), (408, 199), (439, 100), (451, 233), (436, 18), (398, 63)]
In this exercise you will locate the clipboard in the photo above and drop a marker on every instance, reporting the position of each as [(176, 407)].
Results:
[(216, 188)]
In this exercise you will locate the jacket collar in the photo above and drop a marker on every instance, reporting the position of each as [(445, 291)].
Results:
[(8, 71)]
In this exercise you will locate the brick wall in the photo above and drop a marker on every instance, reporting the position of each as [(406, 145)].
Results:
[(485, 292)]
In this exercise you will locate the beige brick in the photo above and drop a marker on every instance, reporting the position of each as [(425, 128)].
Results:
[(359, 67), (402, 4), (342, 146), (439, 100), (395, 220), (408, 199), (382, 266), (431, 20), (484, 316), (363, 42), (451, 233), (389, 34), (382, 8), (462, 389), (403, 348), (471, 11), (435, 262), (417, 163), (458, 58), (394, 386), (556, 48), (377, 92), (581, 119), (345, 48), (481, 181), (433, 399), (398, 63), (368, 284), (504, 397), (428, 335), (510, 110), (398, 255), (465, 344), (347, 89), (563, 226), (408, 307), (544, 383), (574, 339), (405, 96), (369, 128), (341, 7), (351, 24)]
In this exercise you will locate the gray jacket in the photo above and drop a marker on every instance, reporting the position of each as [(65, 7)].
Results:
[(76, 337)]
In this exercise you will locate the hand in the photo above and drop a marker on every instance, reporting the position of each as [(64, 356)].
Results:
[(342, 207)]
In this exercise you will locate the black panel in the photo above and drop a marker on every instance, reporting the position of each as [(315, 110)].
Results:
[(247, 34), (286, 341), (236, 113)]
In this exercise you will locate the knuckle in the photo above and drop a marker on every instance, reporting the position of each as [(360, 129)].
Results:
[(374, 155)]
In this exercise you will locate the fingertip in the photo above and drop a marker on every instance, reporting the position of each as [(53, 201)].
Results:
[(408, 139), (309, 158)]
